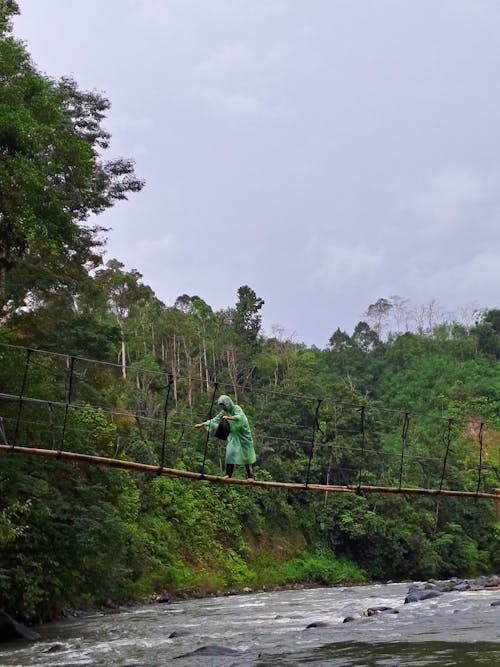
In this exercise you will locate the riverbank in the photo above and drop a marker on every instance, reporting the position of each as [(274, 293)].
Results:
[(417, 591), (12, 629)]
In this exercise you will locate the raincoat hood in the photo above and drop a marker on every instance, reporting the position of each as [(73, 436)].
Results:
[(226, 402)]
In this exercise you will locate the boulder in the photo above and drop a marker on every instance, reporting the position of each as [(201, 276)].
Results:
[(163, 598), (209, 650), (432, 588), (491, 581), (450, 585), (179, 633), (317, 624), (418, 596), (55, 648), (371, 611), (461, 587)]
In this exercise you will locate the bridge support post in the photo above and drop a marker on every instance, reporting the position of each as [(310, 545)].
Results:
[(497, 503)]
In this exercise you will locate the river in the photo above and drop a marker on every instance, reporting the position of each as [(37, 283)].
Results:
[(269, 629)]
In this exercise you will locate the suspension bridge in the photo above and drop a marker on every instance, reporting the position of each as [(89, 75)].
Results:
[(22, 413)]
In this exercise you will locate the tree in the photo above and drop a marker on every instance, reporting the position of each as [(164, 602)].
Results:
[(247, 317), (52, 176), (400, 312), (487, 333), (378, 312), (364, 337), (339, 340), (8, 8), (57, 325), (123, 291)]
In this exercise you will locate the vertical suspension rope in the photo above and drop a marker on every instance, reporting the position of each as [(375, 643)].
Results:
[(3, 435), (177, 443), (68, 401), (209, 416), (165, 417), (50, 408), (480, 467), (315, 427), (331, 453), (23, 386), (147, 448), (404, 434), (362, 436), (448, 443), (139, 427)]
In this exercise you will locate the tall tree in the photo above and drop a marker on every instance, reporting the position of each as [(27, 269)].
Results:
[(247, 316), (378, 313), (123, 291), (488, 333), (52, 175)]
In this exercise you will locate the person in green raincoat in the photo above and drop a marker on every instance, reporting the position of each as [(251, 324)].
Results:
[(239, 444)]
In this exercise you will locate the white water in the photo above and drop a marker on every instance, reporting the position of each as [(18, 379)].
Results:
[(269, 629)]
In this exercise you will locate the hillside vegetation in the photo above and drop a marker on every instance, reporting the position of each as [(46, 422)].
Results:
[(92, 361)]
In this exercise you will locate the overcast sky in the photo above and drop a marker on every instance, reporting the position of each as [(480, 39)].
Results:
[(325, 152)]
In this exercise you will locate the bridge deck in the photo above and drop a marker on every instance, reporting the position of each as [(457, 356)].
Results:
[(172, 472)]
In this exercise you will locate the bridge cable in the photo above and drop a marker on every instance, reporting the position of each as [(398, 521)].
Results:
[(23, 386), (51, 423), (448, 443), (139, 427), (209, 416), (316, 426), (165, 417), (282, 394), (21, 398), (176, 449), (68, 402), (146, 444), (2, 432), (480, 467), (362, 435), (404, 435)]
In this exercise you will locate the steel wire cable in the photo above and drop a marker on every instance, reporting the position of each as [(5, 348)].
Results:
[(373, 406)]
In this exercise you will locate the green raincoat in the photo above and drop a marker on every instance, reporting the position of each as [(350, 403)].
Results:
[(239, 443)]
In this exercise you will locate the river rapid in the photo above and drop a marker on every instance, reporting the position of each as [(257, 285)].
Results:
[(269, 629)]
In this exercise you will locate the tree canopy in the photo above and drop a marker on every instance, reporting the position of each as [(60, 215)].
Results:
[(53, 176)]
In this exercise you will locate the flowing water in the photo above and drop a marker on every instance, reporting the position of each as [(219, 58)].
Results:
[(269, 629)]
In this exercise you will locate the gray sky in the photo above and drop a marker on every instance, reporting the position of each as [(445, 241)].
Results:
[(325, 152)]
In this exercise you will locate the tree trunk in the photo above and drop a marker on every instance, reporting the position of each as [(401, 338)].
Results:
[(174, 370), (123, 357), (233, 371), (207, 374), (436, 517), (189, 378)]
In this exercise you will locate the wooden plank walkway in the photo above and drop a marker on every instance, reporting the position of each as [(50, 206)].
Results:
[(172, 472)]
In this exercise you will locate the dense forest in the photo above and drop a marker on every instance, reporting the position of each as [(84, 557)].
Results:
[(92, 361)]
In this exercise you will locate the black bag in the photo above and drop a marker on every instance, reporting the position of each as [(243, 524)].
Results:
[(223, 430)]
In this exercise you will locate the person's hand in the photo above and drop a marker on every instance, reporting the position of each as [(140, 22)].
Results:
[(198, 425)]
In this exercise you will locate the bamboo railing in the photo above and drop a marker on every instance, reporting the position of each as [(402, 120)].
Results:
[(173, 472)]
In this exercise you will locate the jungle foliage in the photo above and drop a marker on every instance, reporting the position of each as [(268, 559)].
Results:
[(104, 367)]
